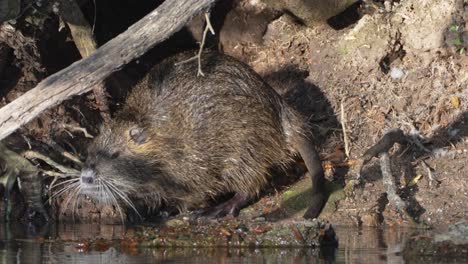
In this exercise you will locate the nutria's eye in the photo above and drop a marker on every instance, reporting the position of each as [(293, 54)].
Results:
[(138, 135), (115, 155)]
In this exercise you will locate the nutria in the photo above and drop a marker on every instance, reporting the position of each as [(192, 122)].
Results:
[(183, 140)]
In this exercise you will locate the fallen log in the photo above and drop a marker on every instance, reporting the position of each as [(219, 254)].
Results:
[(81, 76)]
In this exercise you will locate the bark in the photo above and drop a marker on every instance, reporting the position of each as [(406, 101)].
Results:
[(84, 40), (81, 76)]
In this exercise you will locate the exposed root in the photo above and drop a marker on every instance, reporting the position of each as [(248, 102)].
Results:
[(382, 146), (64, 153), (65, 170), (15, 166), (79, 129), (381, 149)]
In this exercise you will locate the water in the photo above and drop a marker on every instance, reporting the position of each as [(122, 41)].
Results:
[(63, 244)]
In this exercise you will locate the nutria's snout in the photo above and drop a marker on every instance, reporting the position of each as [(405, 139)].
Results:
[(87, 178), (89, 185)]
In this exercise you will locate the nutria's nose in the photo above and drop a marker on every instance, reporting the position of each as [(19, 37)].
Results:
[(87, 176), (88, 180)]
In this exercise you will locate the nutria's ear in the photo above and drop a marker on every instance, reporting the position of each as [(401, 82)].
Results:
[(138, 135)]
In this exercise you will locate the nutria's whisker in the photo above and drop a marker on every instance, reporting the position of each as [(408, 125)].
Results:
[(115, 203), (64, 182), (108, 195), (75, 191), (124, 197), (104, 193), (100, 196), (119, 186), (77, 196), (63, 190)]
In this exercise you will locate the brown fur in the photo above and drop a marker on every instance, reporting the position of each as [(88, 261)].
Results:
[(203, 136)]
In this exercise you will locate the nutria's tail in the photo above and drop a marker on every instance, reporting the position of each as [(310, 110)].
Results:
[(299, 137)]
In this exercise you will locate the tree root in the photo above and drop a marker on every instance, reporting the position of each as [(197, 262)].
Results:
[(15, 166), (380, 149)]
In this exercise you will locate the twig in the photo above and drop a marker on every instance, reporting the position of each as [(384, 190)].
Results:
[(72, 157), (389, 183), (64, 153), (197, 57), (345, 137), (58, 175), (27, 141), (36, 155), (208, 27), (187, 60), (79, 129), (385, 143), (429, 174), (74, 153), (382, 146)]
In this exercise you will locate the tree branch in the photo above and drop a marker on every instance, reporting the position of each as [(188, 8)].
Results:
[(80, 77)]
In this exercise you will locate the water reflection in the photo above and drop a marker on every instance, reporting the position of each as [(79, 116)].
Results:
[(61, 244)]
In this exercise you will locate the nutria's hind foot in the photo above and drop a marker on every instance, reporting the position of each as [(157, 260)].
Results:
[(315, 170), (317, 202), (230, 207)]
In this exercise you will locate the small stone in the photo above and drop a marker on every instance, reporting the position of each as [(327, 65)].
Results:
[(396, 73), (175, 223), (388, 6)]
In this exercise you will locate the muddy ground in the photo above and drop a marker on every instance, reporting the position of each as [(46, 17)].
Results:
[(393, 68), (377, 66)]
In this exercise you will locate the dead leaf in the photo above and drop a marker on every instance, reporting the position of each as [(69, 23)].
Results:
[(414, 181), (455, 101)]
